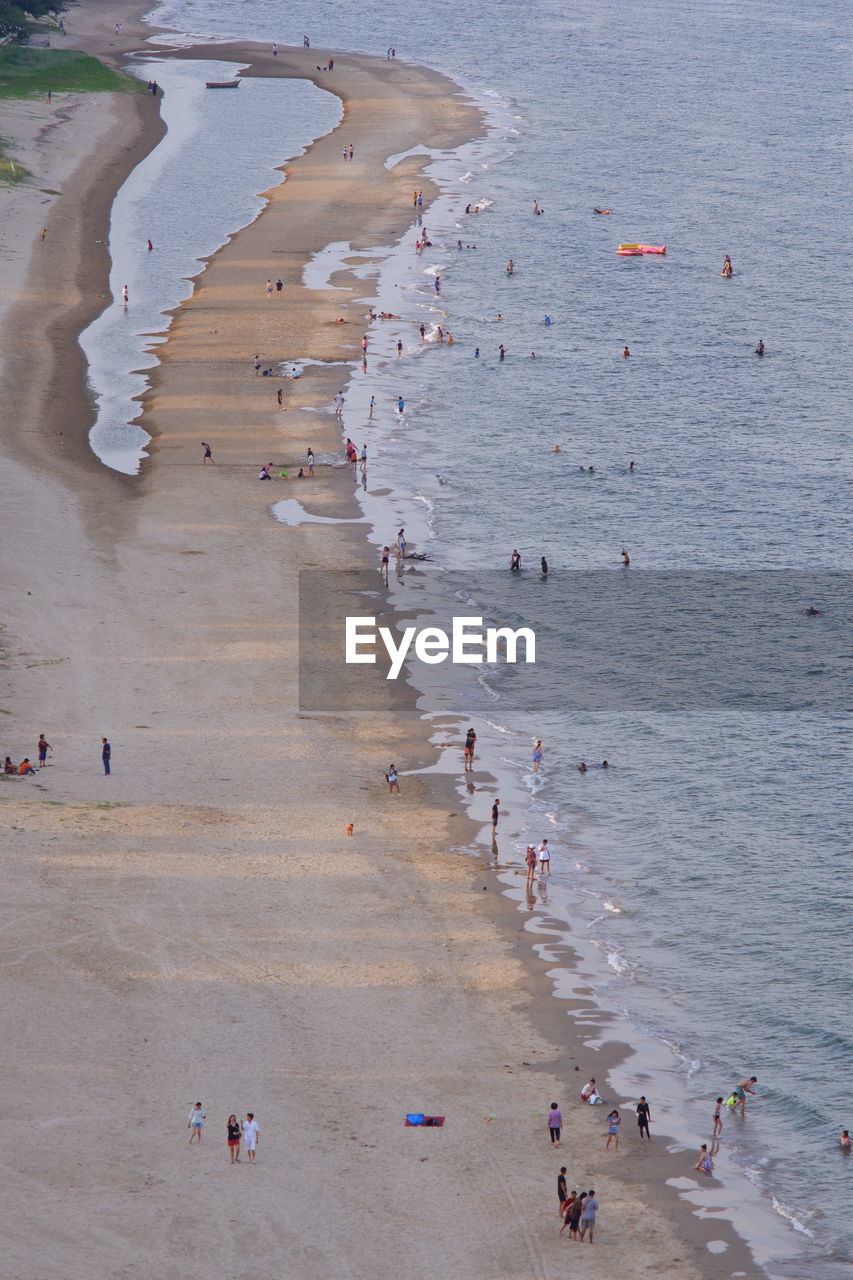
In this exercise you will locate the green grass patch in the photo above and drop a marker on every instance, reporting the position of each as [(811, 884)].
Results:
[(27, 73), (10, 169)]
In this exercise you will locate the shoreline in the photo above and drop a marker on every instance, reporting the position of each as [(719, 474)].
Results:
[(168, 451)]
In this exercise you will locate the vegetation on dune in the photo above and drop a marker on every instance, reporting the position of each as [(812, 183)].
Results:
[(26, 72), (15, 19)]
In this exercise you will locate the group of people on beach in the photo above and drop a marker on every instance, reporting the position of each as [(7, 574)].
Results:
[(245, 1134), (26, 769)]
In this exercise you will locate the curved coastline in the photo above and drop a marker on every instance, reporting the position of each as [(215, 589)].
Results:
[(200, 388)]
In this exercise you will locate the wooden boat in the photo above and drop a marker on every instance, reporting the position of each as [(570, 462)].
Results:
[(222, 84)]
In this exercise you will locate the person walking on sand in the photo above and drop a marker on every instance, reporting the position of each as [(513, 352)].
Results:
[(496, 813), (279, 396), (339, 404), (566, 1212), (575, 1215), (371, 406), (106, 754), (251, 1133), (386, 555), (470, 742), (207, 456), (562, 1189), (704, 1163), (644, 1115), (43, 748), (125, 296), (530, 860), (195, 1123), (233, 1130), (257, 366), (587, 1218), (310, 461), (537, 755), (718, 1118), (401, 544), (268, 288), (279, 288), (555, 1124), (391, 779), (613, 1123)]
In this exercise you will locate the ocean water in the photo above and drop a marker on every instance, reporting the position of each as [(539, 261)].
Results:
[(705, 875)]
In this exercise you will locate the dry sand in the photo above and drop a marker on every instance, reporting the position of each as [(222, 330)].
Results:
[(198, 925)]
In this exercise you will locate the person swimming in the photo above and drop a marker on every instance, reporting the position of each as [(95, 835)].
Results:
[(548, 320), (602, 210), (626, 559), (759, 350), (811, 612), (626, 351)]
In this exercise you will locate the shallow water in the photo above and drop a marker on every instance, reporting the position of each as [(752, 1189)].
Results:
[(708, 869), (180, 199)]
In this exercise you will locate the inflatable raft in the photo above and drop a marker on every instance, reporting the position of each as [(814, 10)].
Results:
[(632, 250)]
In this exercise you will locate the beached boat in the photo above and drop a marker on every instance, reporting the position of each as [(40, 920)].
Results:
[(222, 84)]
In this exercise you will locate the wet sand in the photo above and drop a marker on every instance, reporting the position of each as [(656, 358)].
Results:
[(199, 925)]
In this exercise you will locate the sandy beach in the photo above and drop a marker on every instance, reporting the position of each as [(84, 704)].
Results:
[(198, 925)]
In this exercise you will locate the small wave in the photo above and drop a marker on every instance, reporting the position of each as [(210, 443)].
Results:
[(611, 906), (795, 1222), (619, 964)]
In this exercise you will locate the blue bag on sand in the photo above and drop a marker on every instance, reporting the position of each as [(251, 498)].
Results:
[(416, 1118)]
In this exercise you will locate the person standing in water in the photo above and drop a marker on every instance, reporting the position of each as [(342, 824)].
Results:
[(626, 559), (644, 1115), (728, 269), (515, 561), (741, 1090), (537, 755), (718, 1118), (759, 350)]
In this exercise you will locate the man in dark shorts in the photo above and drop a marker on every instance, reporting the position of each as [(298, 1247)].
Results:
[(562, 1190), (470, 739), (644, 1115), (495, 816)]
